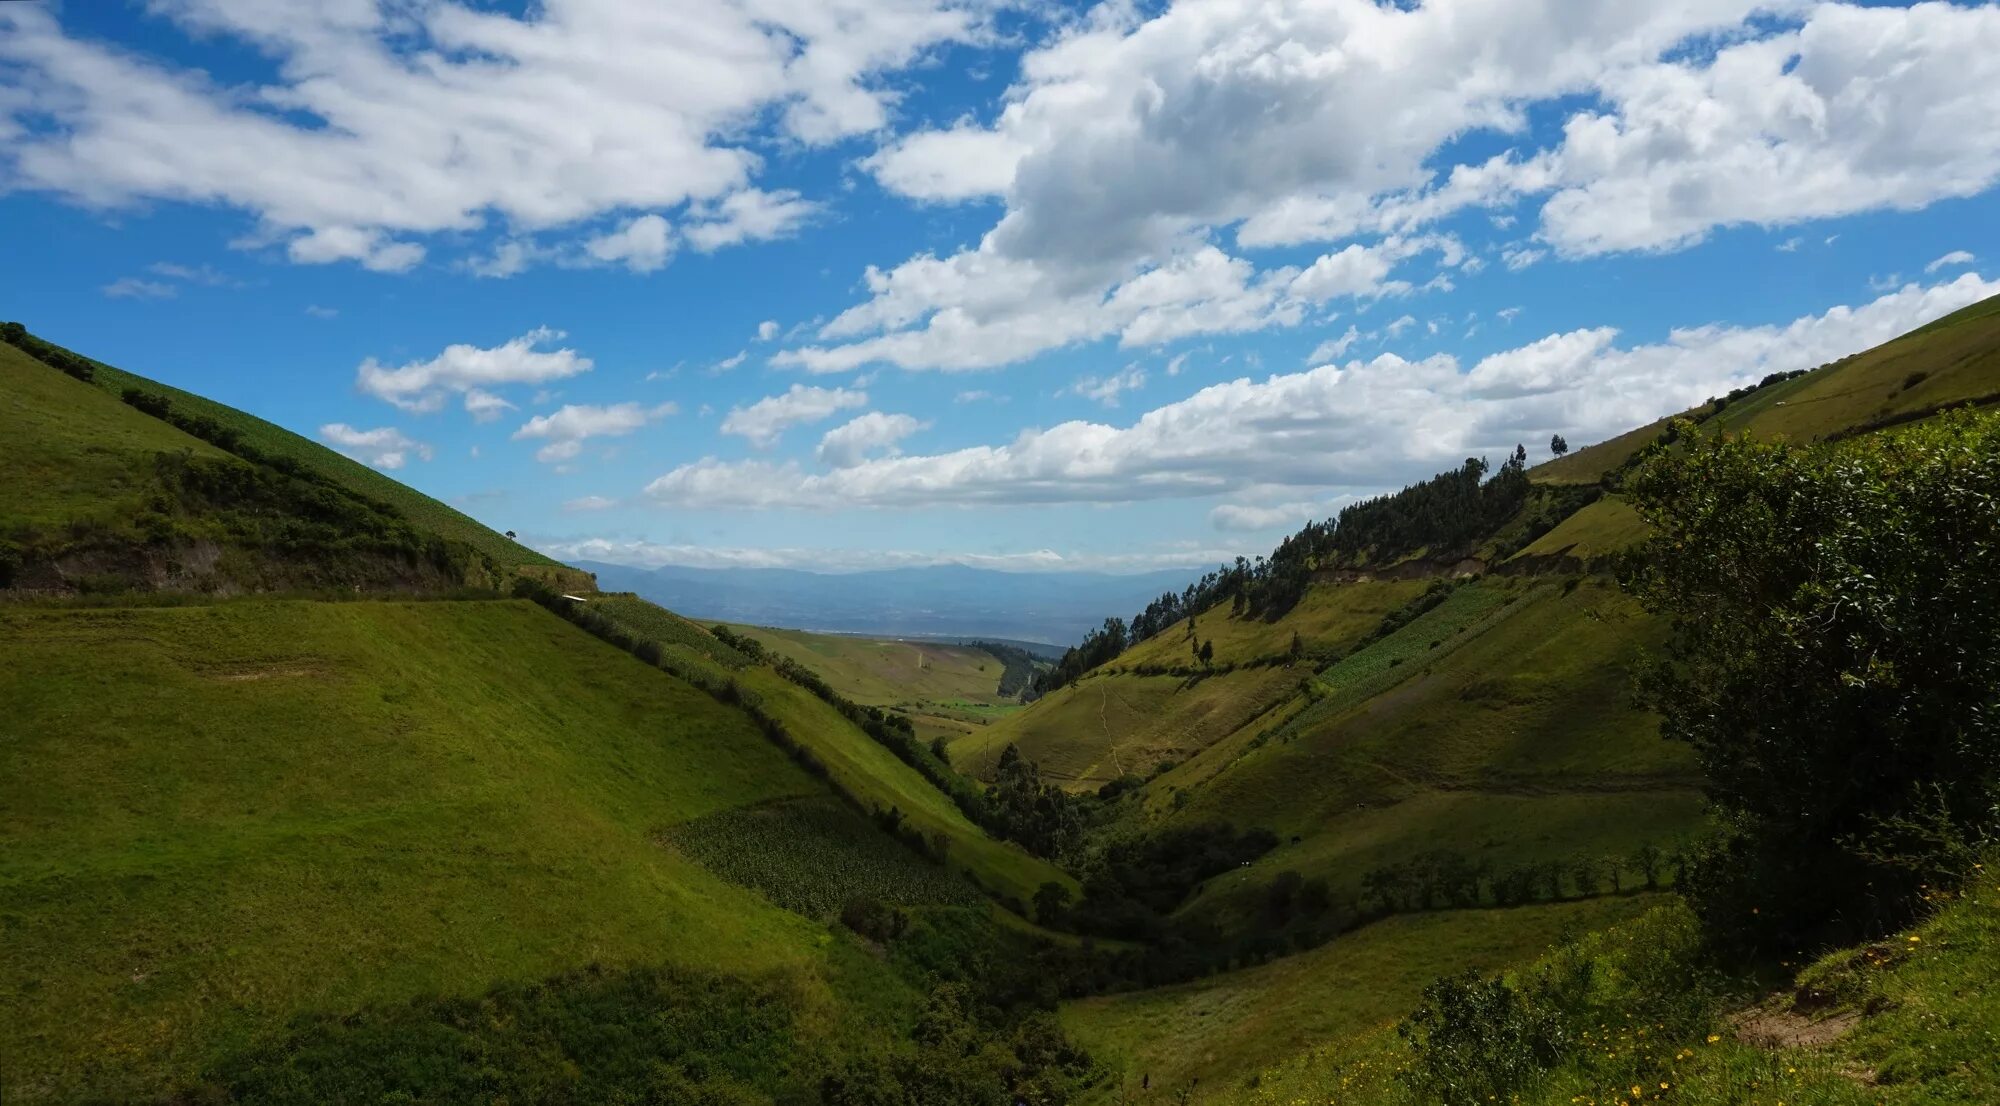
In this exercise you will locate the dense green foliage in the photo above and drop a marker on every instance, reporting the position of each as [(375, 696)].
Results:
[(1025, 808), (583, 1038), (814, 856), (1444, 517), (1136, 884), (1835, 666), (1018, 666)]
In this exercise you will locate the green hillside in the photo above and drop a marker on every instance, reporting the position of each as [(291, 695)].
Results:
[(1421, 728), (857, 763), (1216, 1038), (277, 850), (948, 691), (214, 816), (100, 461)]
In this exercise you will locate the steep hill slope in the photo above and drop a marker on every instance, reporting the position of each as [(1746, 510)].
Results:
[(1461, 716), (857, 763), (948, 689), (217, 816), (277, 850), (90, 452)]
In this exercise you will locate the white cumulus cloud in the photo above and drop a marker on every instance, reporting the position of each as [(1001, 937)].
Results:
[(567, 427), (875, 432), (422, 385), (384, 447), (1372, 424), (765, 421)]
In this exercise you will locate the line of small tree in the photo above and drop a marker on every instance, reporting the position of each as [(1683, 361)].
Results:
[(1018, 667), (1019, 806), (1447, 878), (933, 846), (1444, 516), (16, 335)]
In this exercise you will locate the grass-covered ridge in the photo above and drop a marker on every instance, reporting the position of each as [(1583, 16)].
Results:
[(274, 806), (99, 451)]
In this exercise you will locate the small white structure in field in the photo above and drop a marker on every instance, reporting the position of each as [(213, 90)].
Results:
[(575, 598)]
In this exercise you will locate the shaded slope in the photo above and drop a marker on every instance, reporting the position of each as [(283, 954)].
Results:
[(858, 764), (1210, 1040), (275, 806), (1498, 725)]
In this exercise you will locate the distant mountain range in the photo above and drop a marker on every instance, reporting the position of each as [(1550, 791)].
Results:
[(936, 601)]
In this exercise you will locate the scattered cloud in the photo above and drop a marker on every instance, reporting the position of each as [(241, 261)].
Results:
[(383, 127), (133, 288), (384, 447), (318, 312), (851, 443), (765, 421), (642, 245), (1950, 260), (1106, 390), (1334, 348), (1251, 518), (750, 215), (484, 406), (589, 503), (422, 385), (729, 363), (1365, 425), (767, 330), (1790, 245), (566, 428)]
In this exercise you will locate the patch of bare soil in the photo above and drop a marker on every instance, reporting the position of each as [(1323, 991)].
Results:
[(1777, 1025)]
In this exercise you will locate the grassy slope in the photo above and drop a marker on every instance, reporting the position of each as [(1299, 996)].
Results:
[(1518, 717), (1912, 1020), (1231, 1026), (860, 764), (883, 672), (947, 691), (213, 816), (426, 513), (1117, 722), (1327, 617), (1104, 727), (71, 451)]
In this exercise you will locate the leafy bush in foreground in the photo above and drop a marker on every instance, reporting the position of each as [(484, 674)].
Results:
[(1835, 666)]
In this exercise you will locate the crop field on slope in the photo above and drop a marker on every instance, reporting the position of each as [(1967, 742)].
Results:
[(1513, 741), (883, 672), (1104, 727), (213, 817), (426, 513), (948, 691), (1228, 1027), (866, 769), (1331, 616), (811, 856)]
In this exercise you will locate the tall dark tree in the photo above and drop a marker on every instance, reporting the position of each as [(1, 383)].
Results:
[(1835, 664), (1558, 445)]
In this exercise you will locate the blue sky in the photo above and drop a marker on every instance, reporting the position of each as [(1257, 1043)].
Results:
[(846, 283)]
